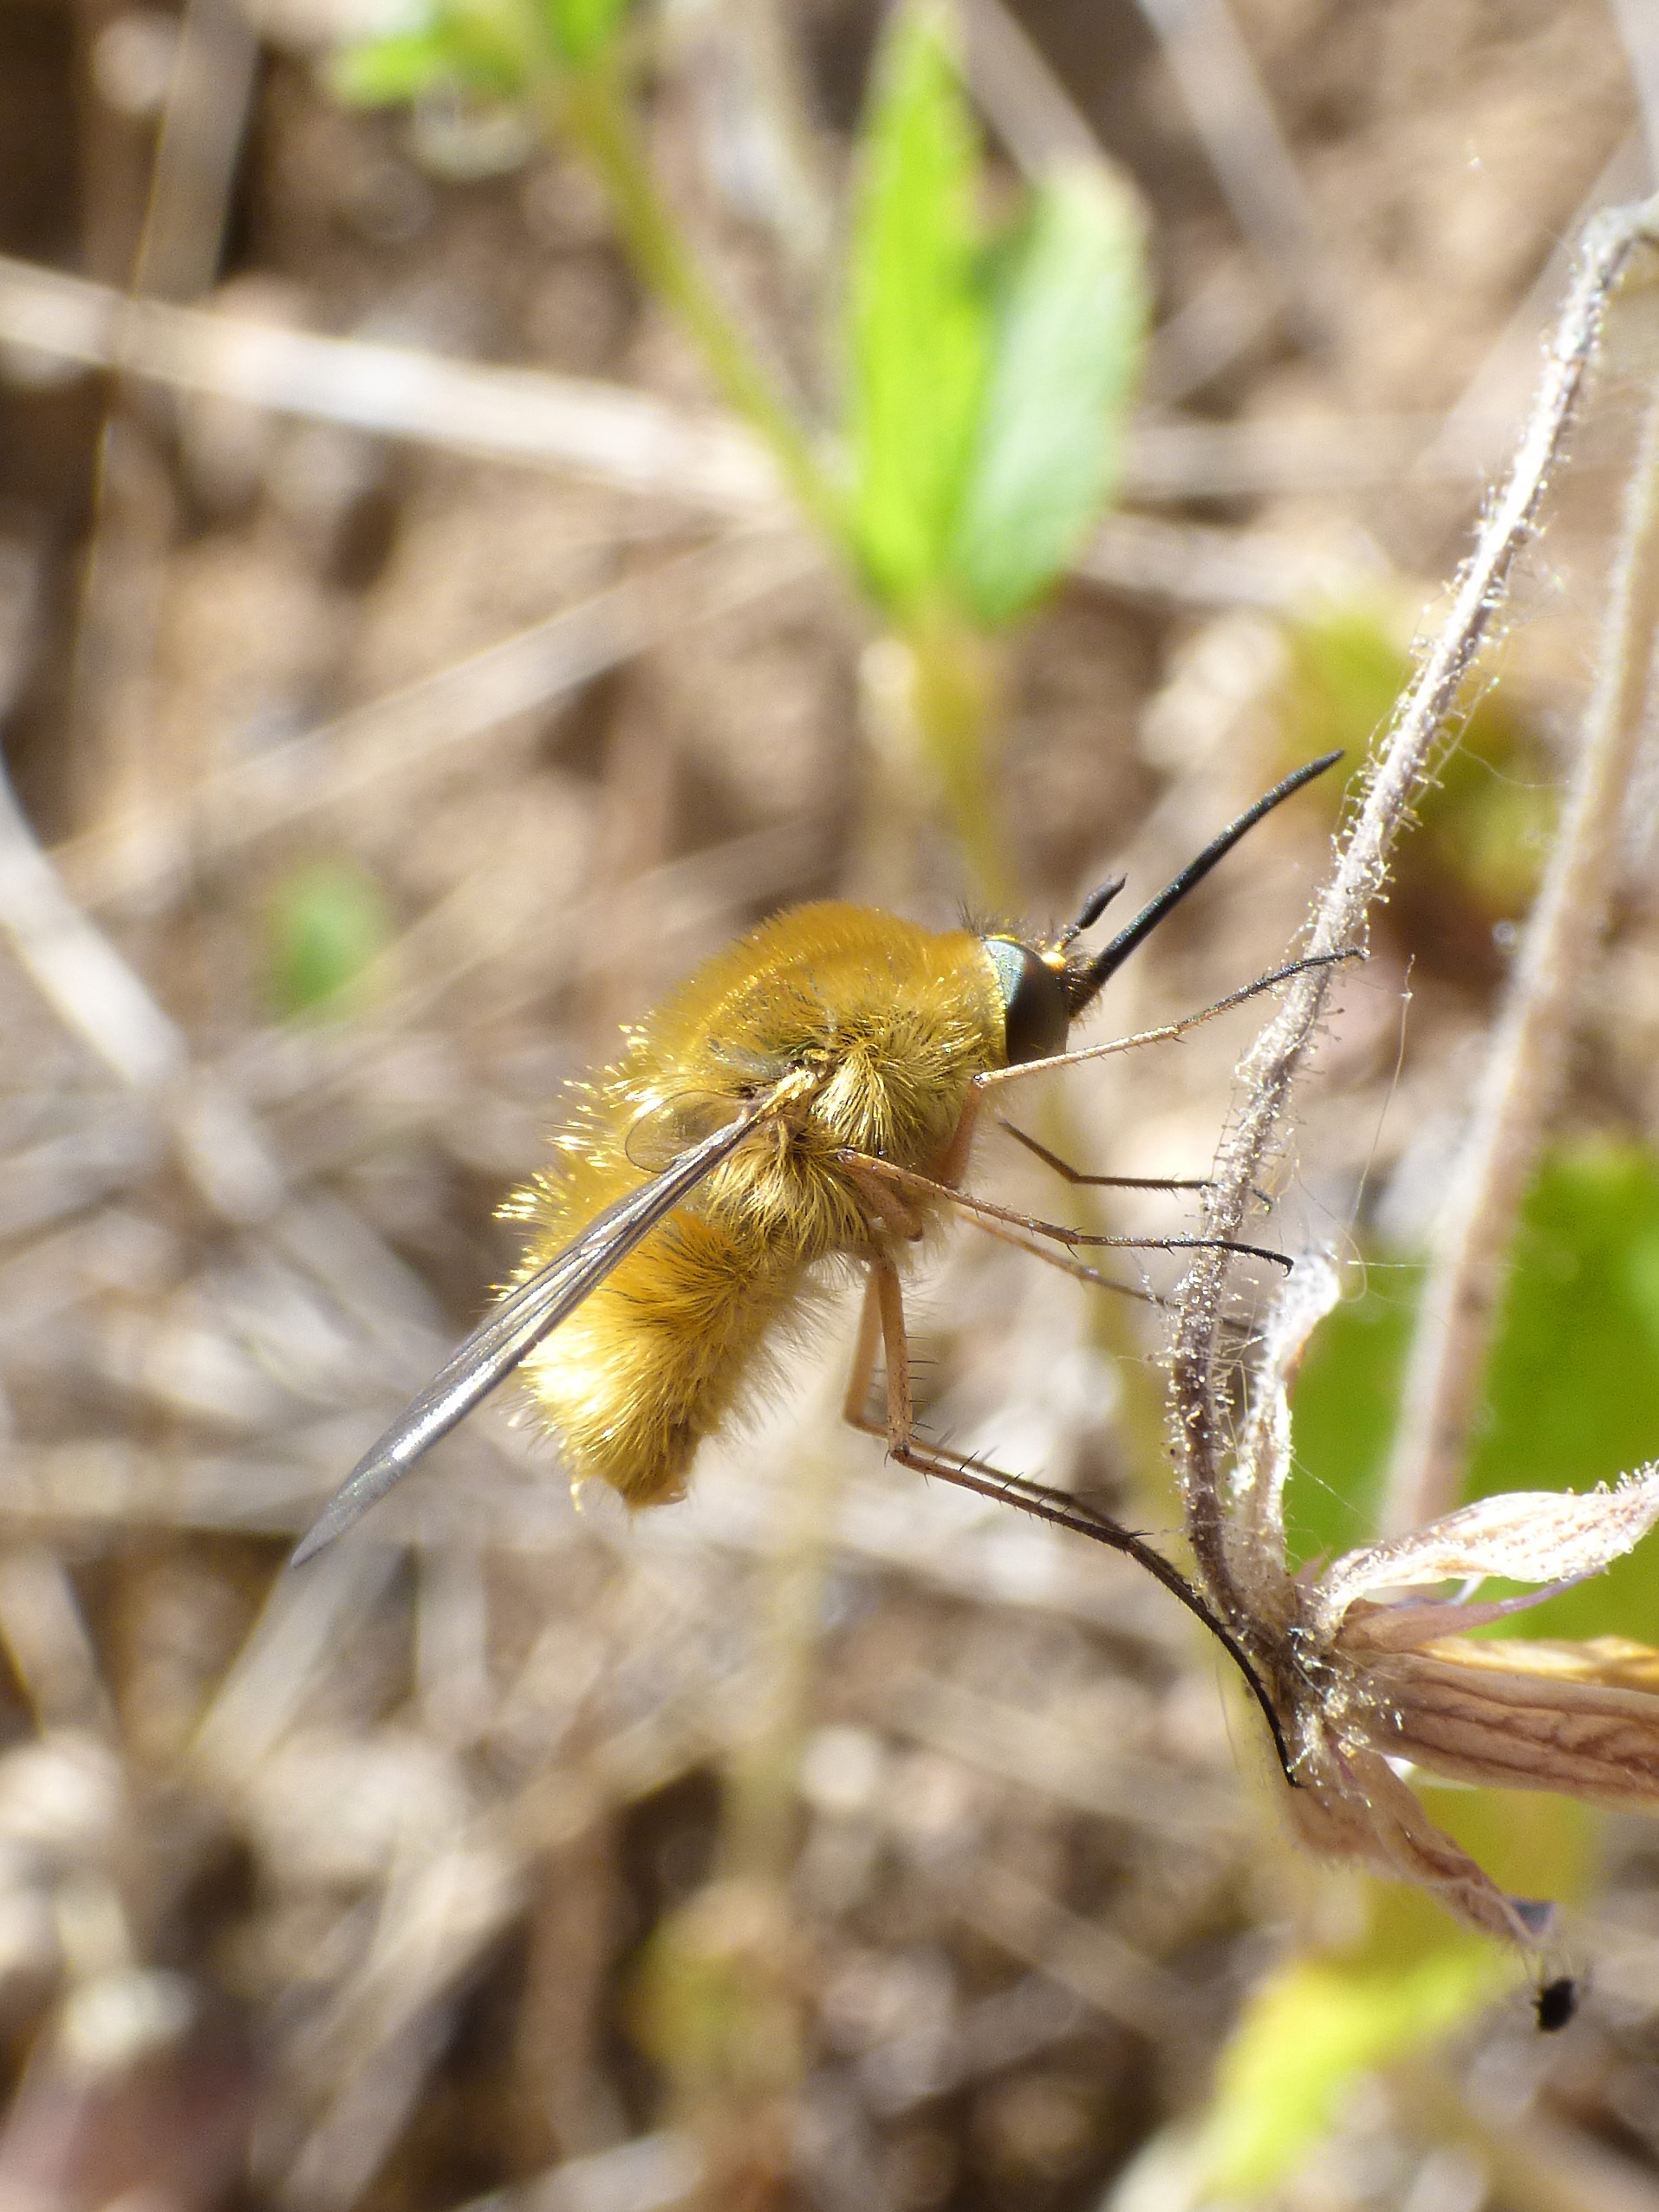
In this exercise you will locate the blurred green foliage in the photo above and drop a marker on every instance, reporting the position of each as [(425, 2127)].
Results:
[(988, 372), (1486, 820), (483, 47), (1572, 1392), (918, 322), (1069, 309), (1572, 1399), (327, 921), (493, 50), (1407, 1976), (582, 29), (988, 377), (1312, 2027)]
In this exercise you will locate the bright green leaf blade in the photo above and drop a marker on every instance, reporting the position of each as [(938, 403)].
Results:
[(582, 28), (1070, 332), (1572, 1389), (1309, 2032), (327, 922), (385, 72), (919, 323), (483, 47), (1574, 1381)]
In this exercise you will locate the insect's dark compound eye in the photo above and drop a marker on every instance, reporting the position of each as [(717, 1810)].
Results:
[(1035, 1015)]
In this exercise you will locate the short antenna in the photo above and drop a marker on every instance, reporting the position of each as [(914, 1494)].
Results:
[(1093, 907), (1085, 979)]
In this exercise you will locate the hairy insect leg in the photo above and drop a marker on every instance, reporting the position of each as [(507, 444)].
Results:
[(1114, 1182), (867, 1347), (881, 1329), (869, 1172), (1167, 1030), (954, 1166), (1101, 1182), (883, 1316), (1079, 1271)]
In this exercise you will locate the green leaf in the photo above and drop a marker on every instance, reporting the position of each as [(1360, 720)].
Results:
[(1071, 318), (1484, 825), (385, 72), (327, 922), (485, 48), (582, 28), (1309, 2031), (1572, 1389), (1343, 1409), (919, 319), (1322, 2019)]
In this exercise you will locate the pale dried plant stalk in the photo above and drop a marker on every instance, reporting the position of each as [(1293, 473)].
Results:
[(1342, 909), (1365, 1664), (1521, 1076)]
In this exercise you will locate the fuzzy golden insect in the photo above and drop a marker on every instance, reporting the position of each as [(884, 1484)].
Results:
[(810, 1095)]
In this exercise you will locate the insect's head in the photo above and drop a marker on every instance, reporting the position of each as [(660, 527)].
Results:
[(1045, 984)]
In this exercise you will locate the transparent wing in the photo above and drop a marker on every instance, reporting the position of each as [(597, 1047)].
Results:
[(514, 1327)]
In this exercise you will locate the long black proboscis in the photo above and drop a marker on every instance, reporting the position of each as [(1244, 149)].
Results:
[(1093, 973), (511, 1330)]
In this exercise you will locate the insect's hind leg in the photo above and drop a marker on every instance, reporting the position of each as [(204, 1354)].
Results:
[(880, 1324), (882, 1321)]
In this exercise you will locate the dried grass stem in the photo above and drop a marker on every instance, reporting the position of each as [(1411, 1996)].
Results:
[(1522, 1075), (1268, 1073)]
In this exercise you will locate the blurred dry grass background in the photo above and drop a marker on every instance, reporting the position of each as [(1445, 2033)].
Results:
[(466, 1861)]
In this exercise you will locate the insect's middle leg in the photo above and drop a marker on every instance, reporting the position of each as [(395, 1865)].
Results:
[(1075, 1175), (883, 1325)]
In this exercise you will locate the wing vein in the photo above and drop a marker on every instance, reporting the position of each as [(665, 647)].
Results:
[(516, 1323)]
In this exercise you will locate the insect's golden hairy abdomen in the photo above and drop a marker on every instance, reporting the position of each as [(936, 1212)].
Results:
[(654, 1361), (658, 1356), (896, 1020)]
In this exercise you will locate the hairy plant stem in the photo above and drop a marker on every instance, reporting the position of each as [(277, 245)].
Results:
[(1268, 1074), (1522, 1076), (590, 108)]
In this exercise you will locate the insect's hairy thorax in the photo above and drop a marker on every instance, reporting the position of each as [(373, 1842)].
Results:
[(895, 1022)]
